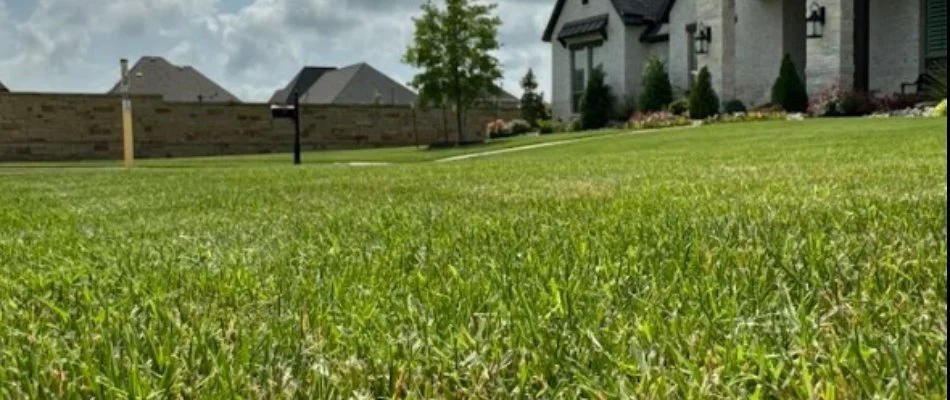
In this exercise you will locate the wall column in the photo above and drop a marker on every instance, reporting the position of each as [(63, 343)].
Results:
[(720, 15), (831, 57)]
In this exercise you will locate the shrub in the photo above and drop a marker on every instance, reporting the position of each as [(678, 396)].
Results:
[(703, 101), (679, 107), (789, 90), (941, 109), (628, 107), (573, 125), (935, 81), (658, 119), (497, 129), (657, 90), (835, 101), (896, 101), (546, 126), (518, 127), (734, 106), (597, 104)]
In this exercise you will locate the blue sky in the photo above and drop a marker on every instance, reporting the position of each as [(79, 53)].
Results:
[(251, 47)]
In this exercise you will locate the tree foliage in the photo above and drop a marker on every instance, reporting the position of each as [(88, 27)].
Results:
[(703, 101), (597, 104), (532, 101), (452, 47), (657, 89)]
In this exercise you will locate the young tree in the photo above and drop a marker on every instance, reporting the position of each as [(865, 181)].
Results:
[(597, 104), (703, 101), (789, 90), (453, 49), (657, 89), (532, 101)]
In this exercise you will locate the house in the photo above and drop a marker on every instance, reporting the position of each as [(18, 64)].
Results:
[(3, 89), (355, 84), (501, 98), (300, 84), (877, 45), (157, 76)]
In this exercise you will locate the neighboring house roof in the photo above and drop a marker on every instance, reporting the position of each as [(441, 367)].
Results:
[(500, 96), (357, 84), (300, 84), (632, 12), (155, 75), (3, 88)]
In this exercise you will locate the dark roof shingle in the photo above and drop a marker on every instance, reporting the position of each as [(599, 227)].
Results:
[(157, 76), (301, 83), (3, 88), (632, 12), (583, 26), (357, 84)]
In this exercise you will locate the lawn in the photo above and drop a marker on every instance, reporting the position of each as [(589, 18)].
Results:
[(762, 260)]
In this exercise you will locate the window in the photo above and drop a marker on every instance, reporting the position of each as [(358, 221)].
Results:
[(935, 31), (584, 57)]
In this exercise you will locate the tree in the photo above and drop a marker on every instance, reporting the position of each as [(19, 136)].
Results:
[(703, 101), (532, 101), (597, 103), (657, 89), (789, 90), (453, 49)]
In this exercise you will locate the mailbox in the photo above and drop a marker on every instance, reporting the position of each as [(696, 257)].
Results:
[(290, 112)]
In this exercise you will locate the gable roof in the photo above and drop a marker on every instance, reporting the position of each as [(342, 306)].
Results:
[(632, 12), (501, 96), (301, 83), (155, 75), (3, 88), (357, 84)]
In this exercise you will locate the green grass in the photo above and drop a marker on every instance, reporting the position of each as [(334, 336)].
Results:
[(765, 260), (411, 154)]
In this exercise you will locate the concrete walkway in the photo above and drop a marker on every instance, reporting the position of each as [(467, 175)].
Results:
[(551, 144)]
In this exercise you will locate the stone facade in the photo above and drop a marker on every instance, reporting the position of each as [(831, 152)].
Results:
[(749, 39), (75, 127), (611, 54)]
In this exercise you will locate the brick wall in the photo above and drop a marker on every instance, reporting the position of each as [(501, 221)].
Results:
[(72, 127)]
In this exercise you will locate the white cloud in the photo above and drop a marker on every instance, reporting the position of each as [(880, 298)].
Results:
[(71, 45)]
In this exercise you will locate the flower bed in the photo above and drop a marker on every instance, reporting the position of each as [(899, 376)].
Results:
[(751, 116), (659, 119)]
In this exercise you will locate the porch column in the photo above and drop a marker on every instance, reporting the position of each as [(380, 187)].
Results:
[(720, 16), (831, 57)]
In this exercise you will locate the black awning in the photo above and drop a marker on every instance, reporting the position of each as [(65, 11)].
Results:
[(584, 26)]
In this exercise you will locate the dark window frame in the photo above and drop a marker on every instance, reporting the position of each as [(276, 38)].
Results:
[(577, 93)]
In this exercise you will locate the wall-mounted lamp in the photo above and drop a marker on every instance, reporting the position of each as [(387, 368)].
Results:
[(816, 21), (703, 38)]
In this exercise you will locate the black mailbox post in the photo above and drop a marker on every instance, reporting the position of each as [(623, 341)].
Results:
[(290, 112)]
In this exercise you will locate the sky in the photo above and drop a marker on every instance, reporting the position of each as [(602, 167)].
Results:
[(251, 47)]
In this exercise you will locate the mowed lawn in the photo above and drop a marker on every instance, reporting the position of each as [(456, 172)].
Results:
[(776, 260)]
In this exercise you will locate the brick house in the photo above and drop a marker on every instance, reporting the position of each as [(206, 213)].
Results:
[(878, 45)]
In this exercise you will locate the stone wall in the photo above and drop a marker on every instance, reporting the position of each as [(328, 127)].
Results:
[(37, 126), (895, 53)]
